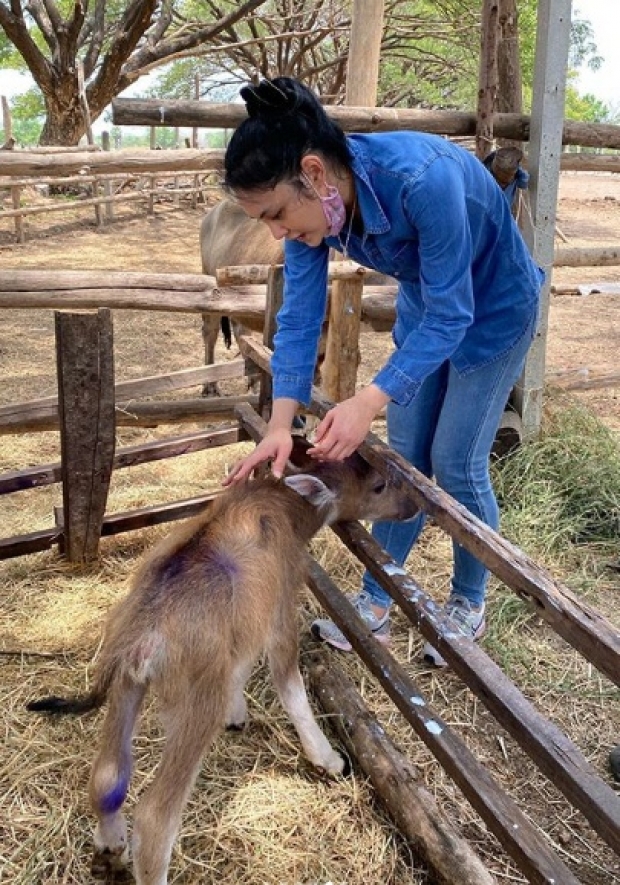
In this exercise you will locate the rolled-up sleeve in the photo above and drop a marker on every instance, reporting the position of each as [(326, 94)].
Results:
[(299, 320), (435, 204)]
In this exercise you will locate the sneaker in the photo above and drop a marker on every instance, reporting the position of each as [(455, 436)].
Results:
[(466, 619), (328, 632)]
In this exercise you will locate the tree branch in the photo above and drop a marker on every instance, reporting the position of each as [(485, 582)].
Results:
[(97, 26), (148, 55), (36, 9), (17, 32)]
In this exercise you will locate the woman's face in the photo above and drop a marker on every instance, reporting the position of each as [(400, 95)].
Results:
[(288, 211)]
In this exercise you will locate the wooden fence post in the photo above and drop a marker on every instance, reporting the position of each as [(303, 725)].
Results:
[(339, 375), (85, 367), (275, 293), (108, 185), (16, 199)]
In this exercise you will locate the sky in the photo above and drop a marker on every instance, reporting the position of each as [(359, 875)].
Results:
[(604, 83)]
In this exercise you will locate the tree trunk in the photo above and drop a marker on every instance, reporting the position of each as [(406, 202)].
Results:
[(64, 122)]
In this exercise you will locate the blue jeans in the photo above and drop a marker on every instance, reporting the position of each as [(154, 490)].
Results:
[(447, 432)]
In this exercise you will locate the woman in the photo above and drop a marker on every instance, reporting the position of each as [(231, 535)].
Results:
[(428, 213)]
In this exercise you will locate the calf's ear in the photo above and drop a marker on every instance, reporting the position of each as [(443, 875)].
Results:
[(311, 488)]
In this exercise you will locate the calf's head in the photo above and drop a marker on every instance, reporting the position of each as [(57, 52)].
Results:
[(347, 490)]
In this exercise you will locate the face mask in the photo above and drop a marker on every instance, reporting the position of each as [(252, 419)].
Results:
[(333, 208)]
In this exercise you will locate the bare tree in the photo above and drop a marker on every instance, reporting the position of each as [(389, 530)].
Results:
[(117, 43), (426, 52)]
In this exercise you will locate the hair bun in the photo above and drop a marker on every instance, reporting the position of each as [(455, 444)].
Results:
[(271, 99)]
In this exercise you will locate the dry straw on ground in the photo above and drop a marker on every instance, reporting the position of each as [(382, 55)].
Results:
[(259, 815)]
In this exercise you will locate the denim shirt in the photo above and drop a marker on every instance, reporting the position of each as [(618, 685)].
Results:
[(436, 220)]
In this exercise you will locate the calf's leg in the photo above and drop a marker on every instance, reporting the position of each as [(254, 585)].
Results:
[(110, 778), (210, 332), (194, 720), (283, 661), (237, 708)]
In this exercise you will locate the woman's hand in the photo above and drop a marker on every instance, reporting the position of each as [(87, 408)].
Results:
[(275, 447), (346, 425)]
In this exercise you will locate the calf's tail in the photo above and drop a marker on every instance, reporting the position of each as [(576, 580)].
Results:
[(78, 704)]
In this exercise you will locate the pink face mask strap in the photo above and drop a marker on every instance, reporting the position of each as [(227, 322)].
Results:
[(333, 207)]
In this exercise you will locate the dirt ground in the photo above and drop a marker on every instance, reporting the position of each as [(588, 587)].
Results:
[(584, 331)]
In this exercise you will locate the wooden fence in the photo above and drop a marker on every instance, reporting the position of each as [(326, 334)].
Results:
[(85, 412)]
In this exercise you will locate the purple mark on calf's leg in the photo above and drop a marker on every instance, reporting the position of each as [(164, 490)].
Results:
[(112, 800), (110, 779)]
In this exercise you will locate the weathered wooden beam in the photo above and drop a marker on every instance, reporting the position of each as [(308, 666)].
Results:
[(153, 112), (129, 456), (581, 626), (188, 293), (520, 838), (339, 370), (394, 778), (146, 162), (249, 274), (606, 256), (25, 163), (556, 756), (132, 414), (18, 413), (114, 524), (33, 542), (85, 371)]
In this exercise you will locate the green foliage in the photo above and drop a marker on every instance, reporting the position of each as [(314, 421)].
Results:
[(27, 112), (586, 108)]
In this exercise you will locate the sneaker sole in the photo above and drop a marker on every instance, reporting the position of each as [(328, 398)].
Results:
[(346, 645), (436, 659)]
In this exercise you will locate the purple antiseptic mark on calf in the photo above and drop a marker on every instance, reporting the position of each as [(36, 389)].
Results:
[(110, 802), (222, 561)]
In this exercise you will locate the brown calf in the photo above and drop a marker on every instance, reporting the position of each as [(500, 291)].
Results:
[(206, 602)]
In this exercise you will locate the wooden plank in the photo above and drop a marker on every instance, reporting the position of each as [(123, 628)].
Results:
[(556, 756), (138, 387), (394, 778), (34, 542), (520, 838), (339, 370), (113, 524), (253, 274), (152, 112), (85, 369), (603, 256), (57, 163), (144, 517), (189, 293), (273, 303), (132, 414), (579, 624), (130, 456)]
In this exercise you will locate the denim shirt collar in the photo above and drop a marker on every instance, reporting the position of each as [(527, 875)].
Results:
[(373, 216)]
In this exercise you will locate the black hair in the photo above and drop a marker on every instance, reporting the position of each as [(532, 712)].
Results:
[(285, 121)]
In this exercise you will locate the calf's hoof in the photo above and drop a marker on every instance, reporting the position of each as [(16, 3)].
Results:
[(111, 866), (335, 765)]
